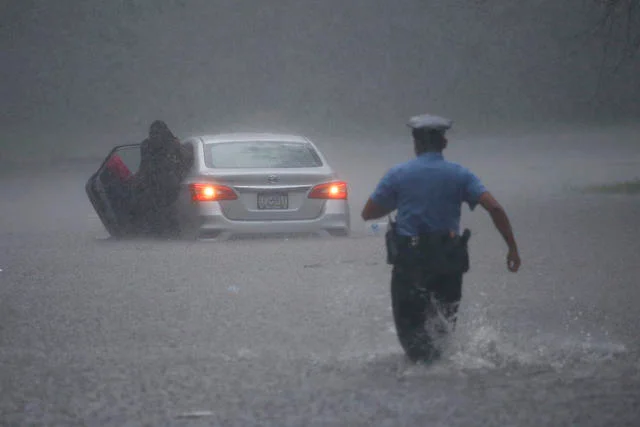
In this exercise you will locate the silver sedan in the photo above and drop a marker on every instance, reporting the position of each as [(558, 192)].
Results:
[(244, 184)]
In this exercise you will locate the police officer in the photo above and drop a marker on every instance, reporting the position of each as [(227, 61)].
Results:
[(428, 192)]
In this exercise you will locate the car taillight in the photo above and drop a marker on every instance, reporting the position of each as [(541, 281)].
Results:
[(329, 190), (211, 193)]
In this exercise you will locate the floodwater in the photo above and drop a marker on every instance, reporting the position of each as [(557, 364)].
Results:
[(299, 332)]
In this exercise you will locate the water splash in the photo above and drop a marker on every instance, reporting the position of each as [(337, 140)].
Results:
[(481, 345), (486, 347)]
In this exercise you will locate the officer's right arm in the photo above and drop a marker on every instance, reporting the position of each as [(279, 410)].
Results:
[(372, 210), (383, 200)]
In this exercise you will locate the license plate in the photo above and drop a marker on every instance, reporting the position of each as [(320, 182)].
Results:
[(273, 201)]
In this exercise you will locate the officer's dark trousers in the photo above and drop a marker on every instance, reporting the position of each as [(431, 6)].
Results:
[(425, 306)]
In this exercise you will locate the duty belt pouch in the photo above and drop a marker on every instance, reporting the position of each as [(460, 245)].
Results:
[(391, 242), (448, 255)]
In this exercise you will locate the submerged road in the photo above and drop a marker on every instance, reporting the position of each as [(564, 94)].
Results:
[(299, 332)]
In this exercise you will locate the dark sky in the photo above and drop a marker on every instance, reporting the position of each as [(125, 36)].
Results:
[(331, 66)]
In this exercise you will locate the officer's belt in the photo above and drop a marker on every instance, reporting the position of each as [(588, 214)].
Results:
[(441, 252), (429, 239)]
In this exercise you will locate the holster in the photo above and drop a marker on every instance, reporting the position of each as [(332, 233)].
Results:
[(391, 242), (448, 255), (438, 253)]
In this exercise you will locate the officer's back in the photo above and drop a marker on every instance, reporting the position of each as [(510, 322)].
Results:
[(428, 191)]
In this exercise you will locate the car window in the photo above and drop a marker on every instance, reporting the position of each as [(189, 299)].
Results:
[(130, 156), (123, 160), (261, 154)]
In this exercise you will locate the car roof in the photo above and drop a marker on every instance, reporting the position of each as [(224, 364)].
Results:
[(252, 136)]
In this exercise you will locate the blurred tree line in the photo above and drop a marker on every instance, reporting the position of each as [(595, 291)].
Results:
[(619, 26)]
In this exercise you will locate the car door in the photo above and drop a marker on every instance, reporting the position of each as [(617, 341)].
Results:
[(107, 187)]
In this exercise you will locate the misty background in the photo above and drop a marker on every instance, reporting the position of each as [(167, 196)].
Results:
[(299, 331), (81, 76)]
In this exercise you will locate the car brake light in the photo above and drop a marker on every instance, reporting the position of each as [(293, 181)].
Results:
[(211, 193), (329, 190)]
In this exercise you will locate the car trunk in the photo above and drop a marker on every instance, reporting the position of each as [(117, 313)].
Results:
[(273, 194)]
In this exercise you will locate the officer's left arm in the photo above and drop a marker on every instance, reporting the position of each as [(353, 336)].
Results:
[(383, 201), (473, 188)]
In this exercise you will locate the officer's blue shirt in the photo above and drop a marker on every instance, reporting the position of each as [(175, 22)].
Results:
[(428, 193)]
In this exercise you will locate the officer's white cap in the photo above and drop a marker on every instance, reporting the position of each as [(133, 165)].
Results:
[(428, 121)]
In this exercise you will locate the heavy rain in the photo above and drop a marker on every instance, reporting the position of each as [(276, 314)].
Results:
[(291, 331)]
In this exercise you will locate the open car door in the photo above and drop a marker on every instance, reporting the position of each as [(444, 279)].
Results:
[(109, 190)]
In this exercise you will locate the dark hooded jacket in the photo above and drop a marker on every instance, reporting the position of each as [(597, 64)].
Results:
[(164, 164)]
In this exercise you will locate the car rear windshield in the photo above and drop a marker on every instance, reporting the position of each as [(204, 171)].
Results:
[(261, 154)]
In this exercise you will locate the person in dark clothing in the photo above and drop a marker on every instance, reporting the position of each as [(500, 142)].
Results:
[(164, 164), (430, 255)]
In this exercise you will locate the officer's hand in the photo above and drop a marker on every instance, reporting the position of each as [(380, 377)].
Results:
[(513, 260)]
